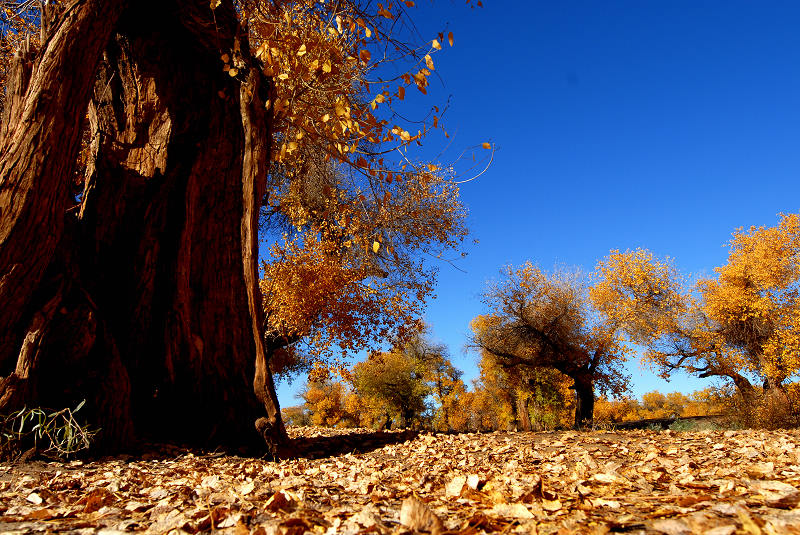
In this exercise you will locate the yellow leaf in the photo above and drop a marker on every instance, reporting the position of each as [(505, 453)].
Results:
[(215, 4), (233, 72), (435, 44), (326, 67), (302, 50), (225, 58), (375, 246), (367, 33), (450, 38), (281, 76), (429, 61), (486, 145)]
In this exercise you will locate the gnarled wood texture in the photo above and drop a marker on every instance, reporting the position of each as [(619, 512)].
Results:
[(154, 277)]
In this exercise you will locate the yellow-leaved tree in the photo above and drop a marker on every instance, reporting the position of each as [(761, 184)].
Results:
[(741, 326), (528, 398), (412, 384), (351, 218), (538, 319)]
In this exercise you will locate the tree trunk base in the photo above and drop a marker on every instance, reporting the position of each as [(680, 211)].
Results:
[(143, 299)]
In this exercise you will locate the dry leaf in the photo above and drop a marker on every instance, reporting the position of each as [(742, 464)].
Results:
[(778, 494), (415, 515), (671, 526), (455, 487), (280, 501), (515, 510), (551, 505)]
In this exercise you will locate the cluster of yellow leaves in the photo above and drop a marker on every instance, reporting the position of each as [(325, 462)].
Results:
[(311, 288), (348, 271), (322, 56), (519, 398), (331, 404), (636, 290), (755, 298)]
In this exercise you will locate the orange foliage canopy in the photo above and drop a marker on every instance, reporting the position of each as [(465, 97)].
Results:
[(350, 226)]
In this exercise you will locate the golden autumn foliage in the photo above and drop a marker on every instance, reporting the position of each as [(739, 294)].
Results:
[(741, 325), (538, 319), (329, 285), (414, 383), (330, 403), (524, 398), (707, 402), (350, 214), (337, 83)]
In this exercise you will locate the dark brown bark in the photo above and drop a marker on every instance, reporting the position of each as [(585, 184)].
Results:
[(584, 397), (159, 308), (743, 385), (44, 103)]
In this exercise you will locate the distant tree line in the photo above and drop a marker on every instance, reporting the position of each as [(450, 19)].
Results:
[(553, 345)]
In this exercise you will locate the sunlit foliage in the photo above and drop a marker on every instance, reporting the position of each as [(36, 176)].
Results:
[(414, 383), (352, 218), (538, 319), (741, 325)]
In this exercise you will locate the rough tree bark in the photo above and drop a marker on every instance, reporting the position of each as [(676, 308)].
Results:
[(521, 412), (144, 298), (584, 397)]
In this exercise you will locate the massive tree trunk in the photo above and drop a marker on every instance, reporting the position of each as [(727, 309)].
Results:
[(144, 298)]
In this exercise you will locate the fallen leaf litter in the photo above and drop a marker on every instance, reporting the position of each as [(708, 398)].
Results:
[(673, 483)]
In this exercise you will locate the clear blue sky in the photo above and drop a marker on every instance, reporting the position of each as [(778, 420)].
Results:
[(618, 125)]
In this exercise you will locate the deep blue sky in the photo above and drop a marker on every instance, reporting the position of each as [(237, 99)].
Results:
[(618, 125)]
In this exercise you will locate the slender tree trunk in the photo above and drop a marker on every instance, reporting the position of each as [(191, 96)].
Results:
[(523, 416), (584, 397), (145, 300)]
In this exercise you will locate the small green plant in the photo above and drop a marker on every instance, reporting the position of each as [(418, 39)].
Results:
[(695, 425), (684, 425), (56, 433)]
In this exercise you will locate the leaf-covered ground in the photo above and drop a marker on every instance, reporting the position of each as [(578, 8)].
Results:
[(563, 482)]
